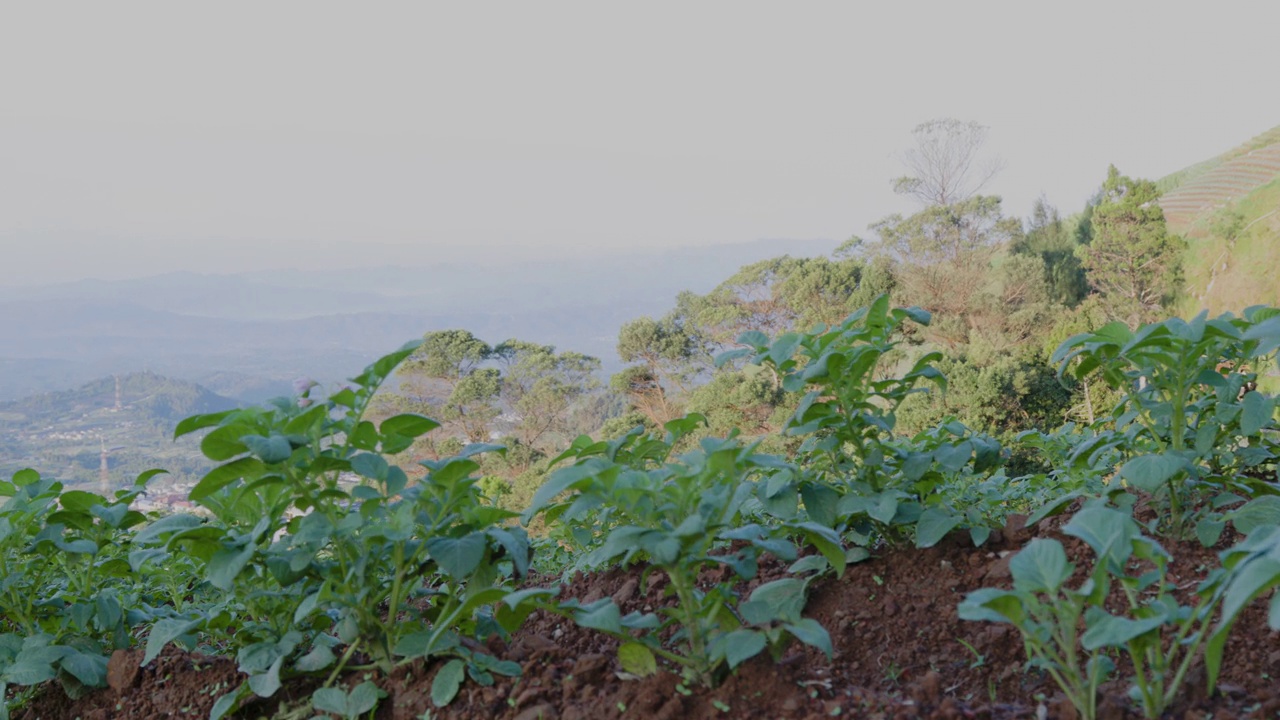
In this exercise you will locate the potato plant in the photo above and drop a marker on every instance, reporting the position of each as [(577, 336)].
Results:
[(330, 557), (857, 475), (1191, 423), (1161, 637), (681, 516), (68, 594)]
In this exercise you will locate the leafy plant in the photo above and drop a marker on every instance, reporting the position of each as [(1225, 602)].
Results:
[(857, 474), (330, 556), (1161, 637), (684, 516), (68, 596), (1191, 419)]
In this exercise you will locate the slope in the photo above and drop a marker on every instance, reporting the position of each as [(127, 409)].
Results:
[(1228, 208)]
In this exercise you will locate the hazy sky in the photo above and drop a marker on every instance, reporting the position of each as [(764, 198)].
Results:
[(137, 138)]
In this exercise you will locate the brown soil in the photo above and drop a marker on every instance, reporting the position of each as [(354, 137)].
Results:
[(892, 619)]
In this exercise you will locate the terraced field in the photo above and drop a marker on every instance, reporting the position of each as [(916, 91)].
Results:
[(1227, 182)]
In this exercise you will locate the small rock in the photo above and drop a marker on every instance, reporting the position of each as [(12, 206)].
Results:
[(589, 665), (1015, 528), (122, 670), (626, 592), (541, 711)]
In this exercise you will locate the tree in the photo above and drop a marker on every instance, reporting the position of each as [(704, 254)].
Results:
[(945, 166), (943, 253), (541, 387), (1054, 240), (1132, 260)]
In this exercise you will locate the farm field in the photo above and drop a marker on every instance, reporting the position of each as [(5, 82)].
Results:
[(679, 574), (898, 653)]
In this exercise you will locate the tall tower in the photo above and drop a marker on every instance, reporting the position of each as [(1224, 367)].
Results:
[(104, 477), (118, 405)]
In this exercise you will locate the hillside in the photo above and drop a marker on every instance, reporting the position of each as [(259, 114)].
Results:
[(1228, 208), (248, 335), (129, 419)]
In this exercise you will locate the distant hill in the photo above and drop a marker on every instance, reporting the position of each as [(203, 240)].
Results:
[(1228, 207), (129, 419), (248, 335)]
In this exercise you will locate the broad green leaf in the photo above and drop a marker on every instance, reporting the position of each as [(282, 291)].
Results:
[(447, 681), (272, 449), (165, 631), (606, 618), (247, 468), (409, 425), (785, 597), (1106, 630), (1209, 529), (811, 633), (370, 465), (637, 659), (226, 564), (1260, 511), (1151, 472), (199, 422), (89, 668), (992, 605), (1255, 413), (349, 706), (1109, 532), (741, 645), (225, 442), (458, 556), (934, 525), (318, 659), (1040, 567)]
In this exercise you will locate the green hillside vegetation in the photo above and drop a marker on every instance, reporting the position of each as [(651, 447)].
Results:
[(130, 416), (1228, 209), (951, 377)]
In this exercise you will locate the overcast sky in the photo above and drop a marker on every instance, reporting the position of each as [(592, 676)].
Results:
[(139, 138)]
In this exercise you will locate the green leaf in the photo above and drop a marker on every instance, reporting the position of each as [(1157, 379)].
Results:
[(166, 631), (229, 702), (266, 684), (606, 618), (199, 422), (370, 465), (742, 645), (318, 659), (445, 686), (992, 605), (934, 525), (1209, 529), (1256, 513), (1151, 472), (637, 659), (89, 668), (225, 442), (409, 425), (1109, 532), (270, 450), (247, 468), (1106, 630), (458, 557), (226, 564), (350, 706), (811, 633), (1256, 412), (1040, 567), (785, 598)]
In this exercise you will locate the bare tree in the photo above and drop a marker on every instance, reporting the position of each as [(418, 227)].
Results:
[(945, 165)]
